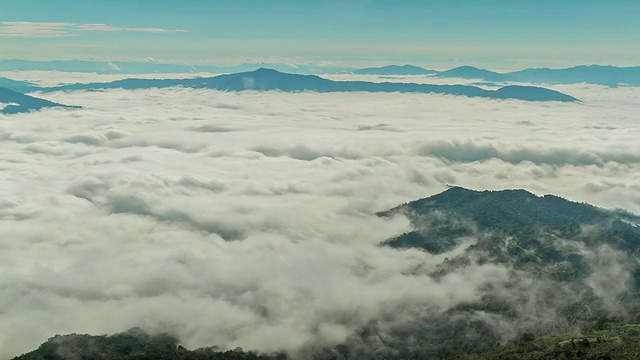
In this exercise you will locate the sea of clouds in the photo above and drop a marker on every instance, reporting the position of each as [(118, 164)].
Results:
[(247, 219)]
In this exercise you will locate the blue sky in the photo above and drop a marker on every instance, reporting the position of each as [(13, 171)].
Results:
[(494, 33)]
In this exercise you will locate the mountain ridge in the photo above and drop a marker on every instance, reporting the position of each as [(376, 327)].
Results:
[(16, 102), (17, 85), (441, 220), (268, 79), (471, 72), (395, 70), (606, 75)]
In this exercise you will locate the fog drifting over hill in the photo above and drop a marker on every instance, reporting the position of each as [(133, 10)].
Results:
[(246, 219)]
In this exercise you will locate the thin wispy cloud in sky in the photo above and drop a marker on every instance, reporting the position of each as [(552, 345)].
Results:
[(27, 29), (499, 35)]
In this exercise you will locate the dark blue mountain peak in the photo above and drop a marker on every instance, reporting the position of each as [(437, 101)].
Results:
[(608, 75), (267, 73), (406, 69), (263, 71), (594, 74), (17, 85), (467, 67), (15, 102), (472, 72)]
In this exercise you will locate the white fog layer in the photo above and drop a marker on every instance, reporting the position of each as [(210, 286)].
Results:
[(247, 219)]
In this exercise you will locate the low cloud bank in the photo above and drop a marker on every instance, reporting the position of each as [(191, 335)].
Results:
[(247, 219)]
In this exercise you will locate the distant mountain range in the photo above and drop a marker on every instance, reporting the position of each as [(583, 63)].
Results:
[(593, 74), (269, 79), (14, 102)]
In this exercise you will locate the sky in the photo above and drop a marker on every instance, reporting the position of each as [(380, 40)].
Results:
[(495, 33)]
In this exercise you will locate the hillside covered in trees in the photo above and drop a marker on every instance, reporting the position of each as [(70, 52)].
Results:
[(536, 233), (610, 341)]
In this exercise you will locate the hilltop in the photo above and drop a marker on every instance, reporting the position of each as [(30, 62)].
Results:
[(395, 70), (514, 225), (593, 74)]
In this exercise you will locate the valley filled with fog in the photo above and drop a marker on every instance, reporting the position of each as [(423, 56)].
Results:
[(248, 218)]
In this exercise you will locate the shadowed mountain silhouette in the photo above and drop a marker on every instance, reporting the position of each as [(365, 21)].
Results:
[(395, 70), (470, 72), (522, 92), (16, 85), (267, 79), (15, 102), (593, 74)]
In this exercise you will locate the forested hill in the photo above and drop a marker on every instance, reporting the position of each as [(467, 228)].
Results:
[(440, 220), (132, 344), (514, 208), (621, 342)]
